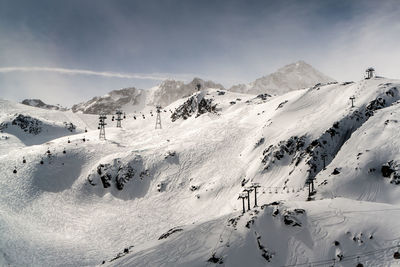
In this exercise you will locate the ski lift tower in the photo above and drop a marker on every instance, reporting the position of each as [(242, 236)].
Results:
[(311, 189), (102, 124), (248, 190), (255, 186), (352, 98), (158, 119), (243, 196), (118, 118), (369, 72)]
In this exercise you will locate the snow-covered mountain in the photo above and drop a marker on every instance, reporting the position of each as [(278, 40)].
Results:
[(134, 100), (170, 90), (291, 77), (294, 76), (128, 99), (146, 197), (40, 104)]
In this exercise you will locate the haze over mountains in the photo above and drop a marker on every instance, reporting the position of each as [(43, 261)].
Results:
[(291, 77)]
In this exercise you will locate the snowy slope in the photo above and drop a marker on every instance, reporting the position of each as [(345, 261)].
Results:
[(102, 200), (22, 125), (371, 171), (291, 77)]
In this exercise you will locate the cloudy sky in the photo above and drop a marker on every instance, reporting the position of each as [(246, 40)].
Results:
[(68, 51)]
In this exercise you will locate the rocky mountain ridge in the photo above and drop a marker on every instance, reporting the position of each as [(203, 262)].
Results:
[(40, 104)]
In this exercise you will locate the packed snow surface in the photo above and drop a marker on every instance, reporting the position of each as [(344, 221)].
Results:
[(169, 197)]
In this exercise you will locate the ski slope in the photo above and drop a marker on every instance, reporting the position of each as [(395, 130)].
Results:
[(104, 198)]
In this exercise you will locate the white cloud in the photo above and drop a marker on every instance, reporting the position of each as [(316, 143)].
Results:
[(155, 76)]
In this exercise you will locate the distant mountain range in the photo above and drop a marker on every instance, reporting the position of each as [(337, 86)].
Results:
[(125, 99), (40, 104), (291, 77)]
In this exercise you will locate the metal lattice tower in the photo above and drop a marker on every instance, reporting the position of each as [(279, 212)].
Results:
[(158, 119), (118, 118), (102, 124)]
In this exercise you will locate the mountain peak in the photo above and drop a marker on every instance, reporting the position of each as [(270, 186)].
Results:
[(288, 78), (298, 65)]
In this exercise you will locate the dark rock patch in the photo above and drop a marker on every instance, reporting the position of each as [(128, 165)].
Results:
[(215, 259), (170, 232), (281, 104), (28, 124), (195, 105)]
